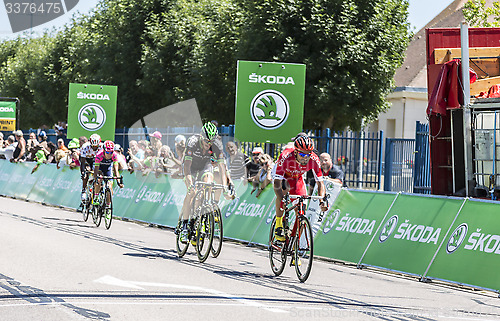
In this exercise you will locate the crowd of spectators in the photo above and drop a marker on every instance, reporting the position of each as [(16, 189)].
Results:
[(150, 156)]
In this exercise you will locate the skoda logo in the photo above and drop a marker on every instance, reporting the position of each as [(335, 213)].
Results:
[(141, 194), (91, 117), (389, 227), (456, 238), (232, 207), (269, 109), (330, 221)]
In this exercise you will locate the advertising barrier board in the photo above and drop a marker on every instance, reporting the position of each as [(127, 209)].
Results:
[(411, 233), (350, 223)]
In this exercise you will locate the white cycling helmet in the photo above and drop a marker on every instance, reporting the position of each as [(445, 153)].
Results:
[(95, 140)]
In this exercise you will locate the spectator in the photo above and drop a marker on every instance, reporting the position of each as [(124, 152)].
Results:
[(165, 163), (122, 162), (1, 140), (42, 136), (82, 140), (60, 157), (156, 144), (8, 151), (180, 147), (31, 149), (39, 159), (330, 171), (253, 166), (60, 145), (180, 150), (60, 128), (73, 157), (236, 161), (264, 176), (20, 151), (136, 155), (149, 163), (51, 157)]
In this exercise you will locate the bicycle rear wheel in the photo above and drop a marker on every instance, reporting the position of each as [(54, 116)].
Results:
[(204, 234), (108, 217), (180, 247), (86, 210), (303, 254), (218, 234), (277, 252)]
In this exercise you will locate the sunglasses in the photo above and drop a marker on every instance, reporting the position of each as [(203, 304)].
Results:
[(108, 152), (304, 154)]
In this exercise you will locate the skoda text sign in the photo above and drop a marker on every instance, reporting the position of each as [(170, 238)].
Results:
[(7, 115), (92, 109), (269, 101)]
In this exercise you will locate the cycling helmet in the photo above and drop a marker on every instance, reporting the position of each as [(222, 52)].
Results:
[(209, 131), (304, 143), (109, 146), (95, 140)]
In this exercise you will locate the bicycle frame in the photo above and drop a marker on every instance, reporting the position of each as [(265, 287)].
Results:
[(298, 241)]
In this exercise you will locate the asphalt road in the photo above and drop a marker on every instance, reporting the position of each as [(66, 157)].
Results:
[(54, 266)]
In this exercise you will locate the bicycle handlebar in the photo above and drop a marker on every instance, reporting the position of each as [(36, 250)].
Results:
[(306, 197), (212, 185), (110, 177)]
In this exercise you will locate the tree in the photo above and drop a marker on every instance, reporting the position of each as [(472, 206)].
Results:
[(478, 15), (351, 49)]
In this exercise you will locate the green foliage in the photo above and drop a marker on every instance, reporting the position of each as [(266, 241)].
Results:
[(478, 15), (160, 52)]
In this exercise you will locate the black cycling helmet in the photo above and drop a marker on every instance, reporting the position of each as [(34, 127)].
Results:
[(304, 143)]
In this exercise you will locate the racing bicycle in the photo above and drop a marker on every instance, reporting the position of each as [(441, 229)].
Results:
[(103, 209), (298, 238), (205, 229)]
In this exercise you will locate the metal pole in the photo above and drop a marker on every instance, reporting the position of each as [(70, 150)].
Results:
[(464, 39)]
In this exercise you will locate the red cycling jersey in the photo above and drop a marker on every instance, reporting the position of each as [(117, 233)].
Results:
[(288, 168)]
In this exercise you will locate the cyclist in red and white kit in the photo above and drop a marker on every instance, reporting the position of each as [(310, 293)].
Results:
[(291, 165)]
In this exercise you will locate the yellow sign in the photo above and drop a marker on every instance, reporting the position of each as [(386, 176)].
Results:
[(8, 124)]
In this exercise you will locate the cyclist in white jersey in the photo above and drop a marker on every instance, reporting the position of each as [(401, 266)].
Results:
[(87, 155)]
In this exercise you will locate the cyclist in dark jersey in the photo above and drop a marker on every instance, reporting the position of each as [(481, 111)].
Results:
[(201, 151)]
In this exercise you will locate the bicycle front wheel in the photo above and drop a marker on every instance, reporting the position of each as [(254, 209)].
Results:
[(108, 212), (180, 246), (277, 252), (303, 254), (218, 235), (204, 235)]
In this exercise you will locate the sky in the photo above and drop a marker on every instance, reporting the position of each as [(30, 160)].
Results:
[(421, 12)]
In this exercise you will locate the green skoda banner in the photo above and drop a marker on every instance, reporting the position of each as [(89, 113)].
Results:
[(245, 217), (350, 223), (8, 115), (269, 101), (470, 254), (92, 109), (411, 233)]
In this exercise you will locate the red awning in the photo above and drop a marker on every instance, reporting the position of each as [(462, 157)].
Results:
[(447, 91)]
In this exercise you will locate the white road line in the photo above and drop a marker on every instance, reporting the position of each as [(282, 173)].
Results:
[(107, 279)]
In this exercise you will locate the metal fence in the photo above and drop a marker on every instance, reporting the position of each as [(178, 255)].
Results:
[(399, 163), (422, 168)]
